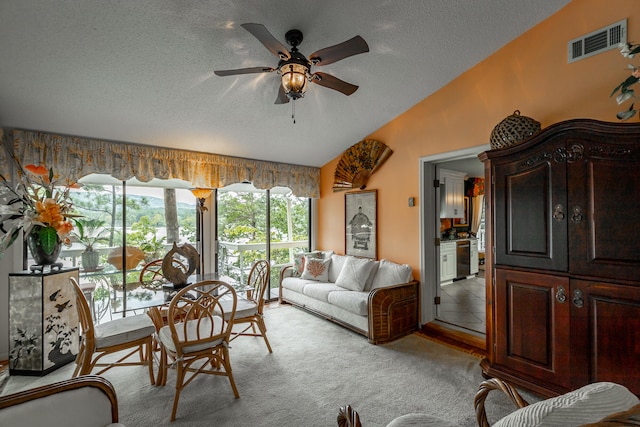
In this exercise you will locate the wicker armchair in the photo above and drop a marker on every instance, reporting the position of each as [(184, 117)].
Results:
[(86, 401), (595, 405)]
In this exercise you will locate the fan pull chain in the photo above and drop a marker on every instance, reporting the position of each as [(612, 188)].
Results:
[(293, 110)]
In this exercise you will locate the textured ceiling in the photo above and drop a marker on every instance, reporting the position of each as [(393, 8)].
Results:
[(142, 70)]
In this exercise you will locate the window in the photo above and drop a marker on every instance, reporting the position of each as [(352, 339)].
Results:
[(147, 218)]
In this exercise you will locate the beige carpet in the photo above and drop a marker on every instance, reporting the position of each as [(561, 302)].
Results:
[(315, 368)]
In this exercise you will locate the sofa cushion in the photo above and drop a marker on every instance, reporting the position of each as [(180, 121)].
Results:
[(321, 291), (296, 284), (630, 417), (355, 302), (354, 273), (584, 405), (337, 262), (316, 269), (389, 273)]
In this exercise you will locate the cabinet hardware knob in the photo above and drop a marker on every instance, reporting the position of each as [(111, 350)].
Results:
[(558, 212), (577, 214), (577, 299), (561, 295)]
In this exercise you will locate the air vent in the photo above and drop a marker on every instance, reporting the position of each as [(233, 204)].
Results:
[(598, 41)]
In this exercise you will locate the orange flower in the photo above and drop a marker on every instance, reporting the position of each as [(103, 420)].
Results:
[(37, 170), (64, 229), (49, 212)]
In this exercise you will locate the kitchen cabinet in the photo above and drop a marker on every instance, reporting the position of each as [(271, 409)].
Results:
[(448, 263), (563, 305), (451, 194)]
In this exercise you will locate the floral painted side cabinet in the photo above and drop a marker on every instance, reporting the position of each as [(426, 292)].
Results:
[(43, 321)]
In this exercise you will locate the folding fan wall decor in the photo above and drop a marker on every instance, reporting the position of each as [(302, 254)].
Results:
[(358, 163)]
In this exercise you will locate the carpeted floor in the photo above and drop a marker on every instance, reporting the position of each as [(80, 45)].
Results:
[(315, 368)]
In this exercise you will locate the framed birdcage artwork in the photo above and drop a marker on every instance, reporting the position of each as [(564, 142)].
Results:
[(361, 223)]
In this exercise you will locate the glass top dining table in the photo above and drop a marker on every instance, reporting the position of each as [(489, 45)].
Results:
[(140, 296)]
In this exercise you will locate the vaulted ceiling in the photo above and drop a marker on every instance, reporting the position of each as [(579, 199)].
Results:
[(142, 70)]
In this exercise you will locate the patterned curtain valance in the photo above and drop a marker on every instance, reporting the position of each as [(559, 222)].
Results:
[(75, 157)]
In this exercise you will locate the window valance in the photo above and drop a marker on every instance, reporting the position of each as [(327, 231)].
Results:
[(74, 157)]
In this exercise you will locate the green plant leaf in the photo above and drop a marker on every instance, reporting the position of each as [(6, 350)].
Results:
[(624, 95), (627, 114), (625, 84), (48, 239)]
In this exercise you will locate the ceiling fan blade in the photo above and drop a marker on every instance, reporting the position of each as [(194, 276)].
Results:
[(282, 97), (263, 35), (251, 70), (331, 54), (327, 80)]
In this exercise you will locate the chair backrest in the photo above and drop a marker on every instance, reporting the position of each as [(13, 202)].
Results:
[(153, 271), (84, 314), (258, 281), (196, 316), (85, 401)]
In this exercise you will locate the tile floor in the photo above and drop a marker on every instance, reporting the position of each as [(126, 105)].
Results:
[(463, 304)]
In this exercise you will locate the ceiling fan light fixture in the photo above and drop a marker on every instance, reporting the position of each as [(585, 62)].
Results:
[(294, 79)]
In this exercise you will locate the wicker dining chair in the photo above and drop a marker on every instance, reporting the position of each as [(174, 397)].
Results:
[(249, 312), (152, 271), (134, 333), (196, 339)]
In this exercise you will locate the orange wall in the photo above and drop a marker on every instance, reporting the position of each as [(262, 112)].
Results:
[(530, 74)]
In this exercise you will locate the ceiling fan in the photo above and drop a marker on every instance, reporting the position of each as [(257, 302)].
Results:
[(295, 68)]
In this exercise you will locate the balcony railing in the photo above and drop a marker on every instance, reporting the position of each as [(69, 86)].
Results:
[(236, 253)]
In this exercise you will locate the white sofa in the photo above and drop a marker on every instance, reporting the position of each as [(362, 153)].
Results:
[(378, 299), (85, 401)]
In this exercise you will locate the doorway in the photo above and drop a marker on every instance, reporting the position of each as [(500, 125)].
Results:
[(462, 302), (456, 304)]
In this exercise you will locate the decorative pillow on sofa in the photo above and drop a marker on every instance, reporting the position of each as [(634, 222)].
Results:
[(316, 269), (298, 261), (585, 405), (337, 262), (354, 273), (389, 273)]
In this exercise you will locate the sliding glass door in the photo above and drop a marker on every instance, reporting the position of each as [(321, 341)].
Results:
[(260, 224)]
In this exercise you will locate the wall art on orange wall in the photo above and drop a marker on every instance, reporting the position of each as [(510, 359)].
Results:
[(361, 223)]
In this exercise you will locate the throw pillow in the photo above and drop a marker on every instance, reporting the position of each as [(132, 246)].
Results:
[(585, 405), (337, 262), (316, 269), (298, 261), (389, 273), (354, 273)]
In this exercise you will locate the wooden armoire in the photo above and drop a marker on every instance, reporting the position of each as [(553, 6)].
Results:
[(563, 258)]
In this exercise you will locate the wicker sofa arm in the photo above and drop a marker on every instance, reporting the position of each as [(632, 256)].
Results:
[(483, 391), (393, 312)]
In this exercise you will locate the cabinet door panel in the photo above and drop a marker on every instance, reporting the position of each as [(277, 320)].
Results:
[(532, 326), (530, 212), (605, 196), (605, 334)]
